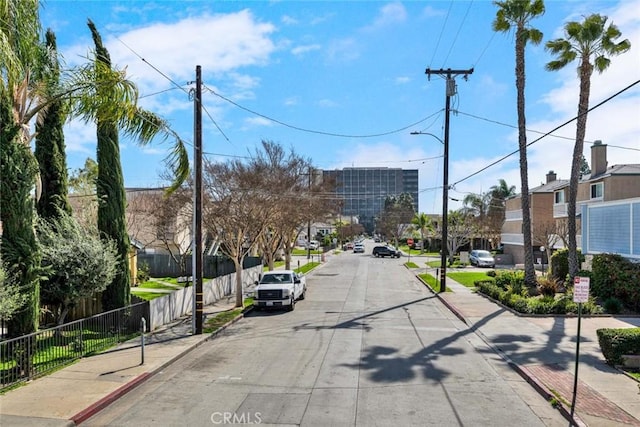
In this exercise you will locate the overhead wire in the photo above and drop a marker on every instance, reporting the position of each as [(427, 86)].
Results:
[(598, 105), (458, 32), (319, 132), (444, 24)]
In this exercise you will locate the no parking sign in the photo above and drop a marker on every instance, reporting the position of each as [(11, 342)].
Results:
[(580, 289)]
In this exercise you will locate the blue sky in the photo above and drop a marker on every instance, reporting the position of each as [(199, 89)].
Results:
[(302, 72)]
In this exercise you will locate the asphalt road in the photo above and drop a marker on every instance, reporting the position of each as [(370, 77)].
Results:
[(369, 346)]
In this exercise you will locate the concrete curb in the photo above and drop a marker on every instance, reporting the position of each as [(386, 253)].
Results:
[(101, 404)]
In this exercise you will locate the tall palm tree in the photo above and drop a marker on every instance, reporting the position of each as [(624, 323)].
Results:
[(499, 194), (518, 14), (423, 224), (591, 42)]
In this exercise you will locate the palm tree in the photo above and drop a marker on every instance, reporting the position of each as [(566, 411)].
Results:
[(499, 194), (590, 42), (423, 224), (518, 14)]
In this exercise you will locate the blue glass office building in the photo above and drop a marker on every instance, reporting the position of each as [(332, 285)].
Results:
[(364, 190)]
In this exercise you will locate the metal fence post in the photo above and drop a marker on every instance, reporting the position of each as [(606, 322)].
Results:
[(143, 326)]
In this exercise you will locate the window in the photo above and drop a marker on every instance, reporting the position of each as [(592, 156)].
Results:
[(597, 190), (558, 197)]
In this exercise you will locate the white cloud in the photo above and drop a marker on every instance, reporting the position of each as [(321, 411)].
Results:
[(257, 121), (327, 103), (291, 101), (288, 20), (402, 80), (343, 50), (389, 14), (299, 50), (219, 43)]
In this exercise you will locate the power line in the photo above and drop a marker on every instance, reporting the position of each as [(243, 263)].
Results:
[(444, 24), (547, 134), (319, 132), (458, 32), (514, 126)]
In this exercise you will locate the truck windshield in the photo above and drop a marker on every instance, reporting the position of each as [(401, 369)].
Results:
[(276, 278)]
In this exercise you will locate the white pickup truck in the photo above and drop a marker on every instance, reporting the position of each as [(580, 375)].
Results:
[(278, 289)]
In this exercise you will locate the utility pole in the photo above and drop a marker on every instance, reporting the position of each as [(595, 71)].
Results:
[(309, 221), (450, 91), (198, 305)]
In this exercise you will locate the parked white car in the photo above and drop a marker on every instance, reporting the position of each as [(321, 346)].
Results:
[(482, 258), (279, 289)]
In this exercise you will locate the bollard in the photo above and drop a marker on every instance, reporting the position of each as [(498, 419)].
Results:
[(298, 265), (143, 327)]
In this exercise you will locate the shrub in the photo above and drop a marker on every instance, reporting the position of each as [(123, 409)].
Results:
[(540, 305), (612, 305), (547, 286), (564, 305), (614, 276), (514, 278), (143, 274), (560, 263), (616, 343), (491, 273)]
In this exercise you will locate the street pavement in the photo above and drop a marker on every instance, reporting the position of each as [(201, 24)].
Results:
[(540, 349)]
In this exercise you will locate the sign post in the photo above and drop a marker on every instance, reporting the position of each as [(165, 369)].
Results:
[(409, 243), (580, 295)]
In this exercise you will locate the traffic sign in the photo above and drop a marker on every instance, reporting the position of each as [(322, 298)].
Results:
[(580, 289), (409, 242)]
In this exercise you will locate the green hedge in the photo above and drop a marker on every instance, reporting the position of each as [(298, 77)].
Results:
[(560, 263), (615, 276), (616, 343), (522, 303)]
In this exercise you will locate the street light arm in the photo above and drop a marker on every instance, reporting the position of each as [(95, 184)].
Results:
[(427, 133)]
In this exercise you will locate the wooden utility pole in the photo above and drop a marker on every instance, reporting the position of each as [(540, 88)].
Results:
[(450, 91), (198, 305)]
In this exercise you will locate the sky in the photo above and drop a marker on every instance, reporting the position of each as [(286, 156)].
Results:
[(343, 83)]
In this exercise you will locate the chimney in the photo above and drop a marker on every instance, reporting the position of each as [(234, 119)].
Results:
[(598, 158), (551, 176)]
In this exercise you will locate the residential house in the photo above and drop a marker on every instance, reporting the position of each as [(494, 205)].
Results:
[(542, 201), (607, 208)]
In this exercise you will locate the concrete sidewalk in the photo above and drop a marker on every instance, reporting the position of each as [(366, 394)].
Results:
[(73, 394), (543, 351)]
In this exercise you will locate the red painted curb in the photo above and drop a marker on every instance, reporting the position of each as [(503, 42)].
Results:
[(87, 413)]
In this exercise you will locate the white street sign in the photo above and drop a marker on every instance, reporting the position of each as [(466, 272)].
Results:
[(580, 289)]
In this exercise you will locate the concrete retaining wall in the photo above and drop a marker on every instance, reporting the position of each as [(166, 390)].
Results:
[(172, 306)]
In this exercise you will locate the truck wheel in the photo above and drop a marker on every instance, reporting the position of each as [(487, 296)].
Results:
[(292, 306), (303, 294)]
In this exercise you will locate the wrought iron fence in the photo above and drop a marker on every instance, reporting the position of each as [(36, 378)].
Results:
[(30, 356)]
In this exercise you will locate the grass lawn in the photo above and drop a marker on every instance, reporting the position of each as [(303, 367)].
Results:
[(276, 264), (154, 285), (223, 318), (307, 267), (411, 264), (300, 252), (434, 264), (432, 282), (467, 279), (147, 296)]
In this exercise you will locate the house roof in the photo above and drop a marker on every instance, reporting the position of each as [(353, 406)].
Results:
[(550, 187), (631, 169)]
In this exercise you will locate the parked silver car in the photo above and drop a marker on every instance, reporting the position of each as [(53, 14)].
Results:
[(482, 258)]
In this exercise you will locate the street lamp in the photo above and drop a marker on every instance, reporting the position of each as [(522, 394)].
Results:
[(542, 259), (445, 200)]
